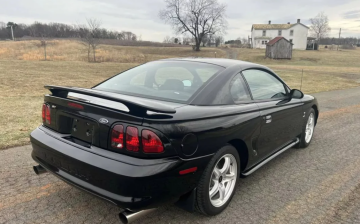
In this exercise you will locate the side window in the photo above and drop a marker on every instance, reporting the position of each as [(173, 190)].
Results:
[(238, 89), (263, 85)]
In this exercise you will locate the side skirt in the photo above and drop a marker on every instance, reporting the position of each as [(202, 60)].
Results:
[(271, 157)]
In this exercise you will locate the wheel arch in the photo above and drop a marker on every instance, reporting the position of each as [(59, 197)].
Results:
[(316, 112), (243, 151)]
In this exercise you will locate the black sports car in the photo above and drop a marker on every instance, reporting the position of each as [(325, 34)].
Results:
[(176, 130)]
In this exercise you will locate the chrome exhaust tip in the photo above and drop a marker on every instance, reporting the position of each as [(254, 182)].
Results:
[(39, 169), (129, 216)]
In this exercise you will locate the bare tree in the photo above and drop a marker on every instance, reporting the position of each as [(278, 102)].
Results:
[(219, 40), (205, 40), (167, 39), (40, 30), (320, 26), (89, 35), (186, 40), (127, 35), (94, 27), (197, 17)]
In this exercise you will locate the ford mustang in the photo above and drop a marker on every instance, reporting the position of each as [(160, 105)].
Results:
[(177, 131)]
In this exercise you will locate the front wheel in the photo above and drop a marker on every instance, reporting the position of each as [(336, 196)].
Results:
[(217, 185), (308, 129)]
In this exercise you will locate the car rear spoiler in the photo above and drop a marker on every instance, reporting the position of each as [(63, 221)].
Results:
[(134, 107)]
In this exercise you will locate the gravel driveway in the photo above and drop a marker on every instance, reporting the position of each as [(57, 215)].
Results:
[(319, 184)]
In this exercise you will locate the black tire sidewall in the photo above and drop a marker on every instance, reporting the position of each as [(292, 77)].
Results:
[(303, 143), (204, 199)]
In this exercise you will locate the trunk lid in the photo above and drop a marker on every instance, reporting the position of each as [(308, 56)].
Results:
[(86, 116)]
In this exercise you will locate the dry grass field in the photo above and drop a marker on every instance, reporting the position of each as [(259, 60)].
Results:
[(23, 74)]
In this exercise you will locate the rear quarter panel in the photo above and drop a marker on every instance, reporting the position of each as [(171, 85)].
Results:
[(214, 127)]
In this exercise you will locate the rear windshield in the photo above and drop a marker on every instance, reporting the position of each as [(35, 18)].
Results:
[(166, 80)]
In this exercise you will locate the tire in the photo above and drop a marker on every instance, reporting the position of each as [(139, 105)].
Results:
[(304, 139), (214, 205)]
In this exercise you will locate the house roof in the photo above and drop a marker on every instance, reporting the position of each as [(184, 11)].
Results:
[(271, 26), (276, 39), (275, 26)]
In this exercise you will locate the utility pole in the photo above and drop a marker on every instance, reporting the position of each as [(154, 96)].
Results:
[(339, 39), (12, 32)]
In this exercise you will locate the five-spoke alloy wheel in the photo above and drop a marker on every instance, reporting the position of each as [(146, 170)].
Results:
[(223, 180), (308, 129), (218, 182)]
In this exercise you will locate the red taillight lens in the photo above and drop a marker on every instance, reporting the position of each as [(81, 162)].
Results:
[(151, 142), (46, 118), (43, 112), (132, 139), (117, 137), (47, 115)]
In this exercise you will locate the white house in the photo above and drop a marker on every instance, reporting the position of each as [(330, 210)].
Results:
[(296, 33)]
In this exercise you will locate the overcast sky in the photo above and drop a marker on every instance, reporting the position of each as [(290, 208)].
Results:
[(141, 16)]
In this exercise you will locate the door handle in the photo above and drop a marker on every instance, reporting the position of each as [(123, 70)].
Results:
[(268, 119)]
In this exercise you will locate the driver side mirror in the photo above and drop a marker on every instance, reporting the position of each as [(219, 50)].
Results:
[(296, 94)]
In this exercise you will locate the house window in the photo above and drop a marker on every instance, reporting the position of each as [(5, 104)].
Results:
[(291, 32), (264, 33), (290, 40), (279, 33), (262, 42)]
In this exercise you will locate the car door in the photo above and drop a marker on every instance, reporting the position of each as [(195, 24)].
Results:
[(282, 116)]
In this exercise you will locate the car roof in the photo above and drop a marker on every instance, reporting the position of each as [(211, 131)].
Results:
[(217, 61)]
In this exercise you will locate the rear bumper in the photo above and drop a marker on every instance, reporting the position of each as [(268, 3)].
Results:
[(125, 181)]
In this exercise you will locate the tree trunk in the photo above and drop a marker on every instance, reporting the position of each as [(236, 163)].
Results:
[(45, 50), (94, 54), (197, 46), (89, 53)]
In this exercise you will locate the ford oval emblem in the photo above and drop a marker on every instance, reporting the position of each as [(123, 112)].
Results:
[(103, 121)]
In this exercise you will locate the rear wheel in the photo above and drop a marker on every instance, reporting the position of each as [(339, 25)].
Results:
[(217, 185)]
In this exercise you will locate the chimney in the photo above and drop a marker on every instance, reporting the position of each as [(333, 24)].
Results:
[(269, 21), (298, 21), (288, 22)]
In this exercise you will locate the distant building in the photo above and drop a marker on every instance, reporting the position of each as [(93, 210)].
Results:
[(296, 33), (279, 48)]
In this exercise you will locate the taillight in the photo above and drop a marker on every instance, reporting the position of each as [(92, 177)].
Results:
[(117, 137), (132, 139), (46, 118), (43, 112), (151, 143), (129, 138)]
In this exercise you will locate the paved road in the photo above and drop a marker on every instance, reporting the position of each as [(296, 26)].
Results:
[(320, 184)]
